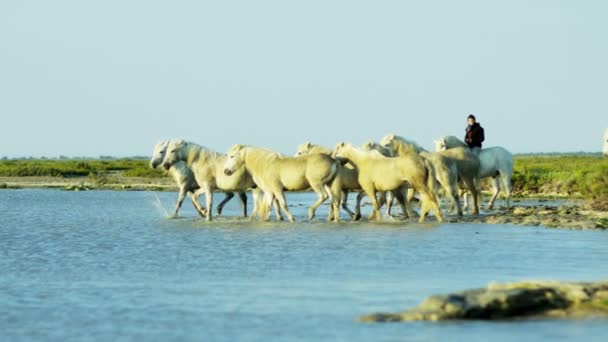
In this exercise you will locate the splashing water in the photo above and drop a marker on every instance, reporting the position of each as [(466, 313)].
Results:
[(159, 206)]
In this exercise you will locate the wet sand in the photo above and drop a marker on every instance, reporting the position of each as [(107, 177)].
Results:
[(115, 182), (569, 214)]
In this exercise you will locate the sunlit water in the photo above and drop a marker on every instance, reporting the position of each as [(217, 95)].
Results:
[(106, 265)]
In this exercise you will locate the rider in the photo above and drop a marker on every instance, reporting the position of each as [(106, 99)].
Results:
[(474, 133)]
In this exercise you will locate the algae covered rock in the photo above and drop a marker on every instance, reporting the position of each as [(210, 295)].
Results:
[(536, 299)]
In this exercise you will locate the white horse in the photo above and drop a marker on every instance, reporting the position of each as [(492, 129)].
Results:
[(275, 173), (403, 195), (182, 175), (446, 167), (380, 173), (207, 167), (345, 181), (495, 162)]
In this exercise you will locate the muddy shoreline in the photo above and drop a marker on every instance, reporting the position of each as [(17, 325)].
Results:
[(533, 210)]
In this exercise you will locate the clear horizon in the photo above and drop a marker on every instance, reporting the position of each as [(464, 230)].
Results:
[(113, 78)]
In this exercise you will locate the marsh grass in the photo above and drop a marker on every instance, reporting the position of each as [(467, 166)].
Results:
[(95, 169), (578, 176)]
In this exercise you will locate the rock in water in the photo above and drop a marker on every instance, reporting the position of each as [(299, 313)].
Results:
[(510, 301)]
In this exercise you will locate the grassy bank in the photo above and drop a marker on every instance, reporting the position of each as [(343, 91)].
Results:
[(77, 168), (576, 176)]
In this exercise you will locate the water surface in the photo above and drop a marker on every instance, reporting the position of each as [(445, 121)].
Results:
[(106, 265)]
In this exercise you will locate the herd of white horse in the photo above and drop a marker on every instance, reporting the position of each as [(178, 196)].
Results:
[(394, 168)]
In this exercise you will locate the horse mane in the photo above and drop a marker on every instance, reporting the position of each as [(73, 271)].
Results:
[(372, 146), (319, 149), (363, 153), (261, 157), (404, 146), (193, 152), (313, 148), (452, 141)]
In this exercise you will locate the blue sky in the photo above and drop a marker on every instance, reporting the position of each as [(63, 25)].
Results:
[(114, 77)]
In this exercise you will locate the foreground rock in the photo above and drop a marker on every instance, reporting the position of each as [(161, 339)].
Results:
[(540, 299)]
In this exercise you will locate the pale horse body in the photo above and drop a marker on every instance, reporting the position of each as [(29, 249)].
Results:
[(183, 176), (495, 162), (446, 169), (404, 195), (207, 167), (275, 173), (380, 173), (345, 181)]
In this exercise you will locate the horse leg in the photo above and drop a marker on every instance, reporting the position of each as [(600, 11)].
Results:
[(429, 201), (507, 187), (385, 198), (243, 198), (424, 206), (344, 202), (406, 206), (360, 196), (283, 204), (277, 210), (266, 208), (401, 196), (322, 196), (495, 192), (180, 200), (452, 193), (209, 202), (195, 197), (227, 198), (335, 196), (371, 193), (390, 200), (449, 184), (330, 212), (465, 200), (472, 187), (336, 201), (200, 210), (256, 195)]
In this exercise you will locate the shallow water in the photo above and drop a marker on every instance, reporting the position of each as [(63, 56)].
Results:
[(105, 265)]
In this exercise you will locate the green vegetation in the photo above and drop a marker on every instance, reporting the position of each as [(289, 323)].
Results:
[(77, 168), (579, 176)]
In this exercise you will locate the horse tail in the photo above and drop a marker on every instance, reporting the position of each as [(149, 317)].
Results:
[(430, 176), (335, 165)]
